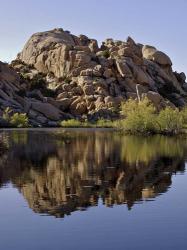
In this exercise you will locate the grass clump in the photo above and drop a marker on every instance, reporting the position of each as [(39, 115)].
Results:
[(103, 123), (73, 123), (18, 120)]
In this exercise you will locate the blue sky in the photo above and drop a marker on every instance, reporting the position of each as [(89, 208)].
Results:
[(161, 23)]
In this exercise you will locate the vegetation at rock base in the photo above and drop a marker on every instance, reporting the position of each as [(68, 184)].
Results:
[(102, 123), (139, 116), (73, 123), (142, 118), (18, 120), (169, 121)]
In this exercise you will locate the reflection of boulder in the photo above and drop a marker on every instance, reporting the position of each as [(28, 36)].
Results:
[(59, 176), (3, 157)]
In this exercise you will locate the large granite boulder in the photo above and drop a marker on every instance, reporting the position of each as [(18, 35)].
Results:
[(47, 110), (153, 54), (57, 51)]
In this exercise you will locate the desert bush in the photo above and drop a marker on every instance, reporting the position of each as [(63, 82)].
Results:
[(106, 53), (169, 121), (72, 123), (18, 120), (37, 82), (7, 114), (139, 116), (184, 115), (103, 123)]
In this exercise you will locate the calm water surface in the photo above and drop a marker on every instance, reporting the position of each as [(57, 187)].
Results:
[(91, 189)]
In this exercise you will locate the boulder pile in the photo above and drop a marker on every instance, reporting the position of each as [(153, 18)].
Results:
[(60, 76)]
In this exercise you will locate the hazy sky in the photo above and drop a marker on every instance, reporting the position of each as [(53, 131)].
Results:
[(162, 23)]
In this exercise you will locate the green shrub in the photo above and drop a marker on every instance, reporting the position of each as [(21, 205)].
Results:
[(72, 123), (169, 121), (37, 82), (18, 120), (184, 115), (119, 124), (106, 53), (102, 123), (67, 80), (139, 116), (7, 114)]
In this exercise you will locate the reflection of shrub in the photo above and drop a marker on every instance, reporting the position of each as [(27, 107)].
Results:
[(18, 120), (144, 149)]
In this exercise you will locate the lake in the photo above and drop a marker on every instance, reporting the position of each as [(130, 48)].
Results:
[(91, 189)]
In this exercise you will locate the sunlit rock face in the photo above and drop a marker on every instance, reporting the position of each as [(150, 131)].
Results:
[(59, 76), (68, 76), (58, 51), (69, 173)]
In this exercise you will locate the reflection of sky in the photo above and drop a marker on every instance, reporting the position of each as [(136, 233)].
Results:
[(160, 224), (160, 23)]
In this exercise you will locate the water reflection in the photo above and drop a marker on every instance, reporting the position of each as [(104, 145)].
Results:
[(61, 172)]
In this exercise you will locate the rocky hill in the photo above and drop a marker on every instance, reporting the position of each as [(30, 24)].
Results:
[(59, 76)]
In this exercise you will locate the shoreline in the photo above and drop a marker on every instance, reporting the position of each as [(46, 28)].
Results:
[(92, 129), (59, 128)]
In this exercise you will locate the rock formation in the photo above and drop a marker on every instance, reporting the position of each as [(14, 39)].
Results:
[(61, 76)]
